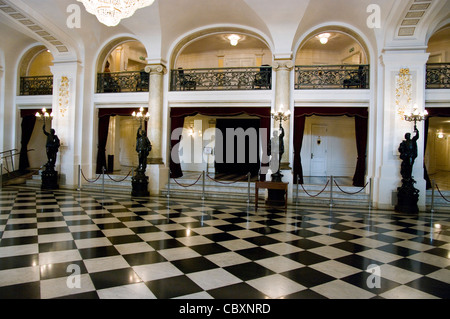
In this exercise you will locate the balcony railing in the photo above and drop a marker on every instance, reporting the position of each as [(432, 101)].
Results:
[(115, 82), (438, 76), (36, 85), (332, 77), (216, 79)]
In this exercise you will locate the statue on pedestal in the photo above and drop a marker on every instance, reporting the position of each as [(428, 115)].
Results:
[(52, 147), (143, 147), (49, 176), (408, 195), (276, 150)]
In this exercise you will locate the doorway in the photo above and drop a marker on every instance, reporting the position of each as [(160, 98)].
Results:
[(319, 144), (241, 147)]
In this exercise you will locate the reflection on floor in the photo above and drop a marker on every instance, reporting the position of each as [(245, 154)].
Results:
[(125, 247)]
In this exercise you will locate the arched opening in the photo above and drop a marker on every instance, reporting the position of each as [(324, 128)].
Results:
[(332, 59), (331, 141), (121, 67), (213, 60), (34, 72), (222, 60), (437, 125)]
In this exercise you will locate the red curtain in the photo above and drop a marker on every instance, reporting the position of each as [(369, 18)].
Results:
[(361, 121), (179, 114)]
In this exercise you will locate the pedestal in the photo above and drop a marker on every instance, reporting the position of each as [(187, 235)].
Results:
[(407, 197), (140, 185), (49, 179)]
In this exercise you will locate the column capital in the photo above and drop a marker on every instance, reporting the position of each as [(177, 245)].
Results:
[(279, 65), (156, 69)]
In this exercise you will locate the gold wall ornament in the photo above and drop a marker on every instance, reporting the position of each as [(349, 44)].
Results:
[(63, 95), (403, 91)]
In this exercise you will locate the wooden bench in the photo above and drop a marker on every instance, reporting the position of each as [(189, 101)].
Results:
[(271, 185)]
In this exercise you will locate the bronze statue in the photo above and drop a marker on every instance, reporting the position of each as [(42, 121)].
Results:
[(143, 147), (52, 147), (408, 153), (276, 150)]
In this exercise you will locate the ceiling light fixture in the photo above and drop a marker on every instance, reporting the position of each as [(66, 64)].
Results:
[(111, 12), (323, 38), (234, 39)]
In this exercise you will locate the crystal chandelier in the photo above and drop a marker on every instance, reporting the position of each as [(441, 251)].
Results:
[(111, 12)]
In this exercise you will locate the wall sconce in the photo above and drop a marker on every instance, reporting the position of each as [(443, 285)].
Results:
[(440, 135)]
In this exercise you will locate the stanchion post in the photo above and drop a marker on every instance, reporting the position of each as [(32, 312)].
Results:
[(298, 182), (203, 185), (331, 191), (433, 185), (168, 186), (249, 177), (370, 193), (79, 178), (1, 173), (103, 179)]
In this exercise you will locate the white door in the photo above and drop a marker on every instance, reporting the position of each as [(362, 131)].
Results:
[(319, 150)]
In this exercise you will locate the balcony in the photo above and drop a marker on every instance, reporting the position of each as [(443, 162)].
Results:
[(438, 76), (117, 82), (309, 77), (36, 85), (216, 79)]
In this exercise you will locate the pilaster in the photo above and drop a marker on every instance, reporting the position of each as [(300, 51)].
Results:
[(403, 88)]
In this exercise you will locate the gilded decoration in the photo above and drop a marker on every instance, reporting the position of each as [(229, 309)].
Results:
[(403, 92), (63, 95)]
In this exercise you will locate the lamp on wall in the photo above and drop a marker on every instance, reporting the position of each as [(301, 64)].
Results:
[(111, 12)]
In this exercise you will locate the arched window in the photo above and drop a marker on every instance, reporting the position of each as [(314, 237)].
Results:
[(121, 68), (35, 74), (331, 60), (222, 60)]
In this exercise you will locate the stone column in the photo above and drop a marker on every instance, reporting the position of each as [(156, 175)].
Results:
[(156, 170), (401, 88), (283, 102), (155, 127)]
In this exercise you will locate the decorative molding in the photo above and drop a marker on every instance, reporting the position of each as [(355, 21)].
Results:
[(403, 92), (63, 95), (156, 69), (283, 65), (412, 18), (11, 10)]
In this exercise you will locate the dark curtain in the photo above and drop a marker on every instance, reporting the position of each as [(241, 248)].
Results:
[(299, 125), (425, 171), (103, 126), (361, 146), (361, 114), (28, 123), (179, 114)]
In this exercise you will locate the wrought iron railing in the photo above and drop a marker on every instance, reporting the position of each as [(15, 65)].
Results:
[(36, 85), (113, 82), (215, 79), (438, 76), (332, 77)]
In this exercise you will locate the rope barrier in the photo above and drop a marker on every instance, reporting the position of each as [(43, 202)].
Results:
[(118, 181), (186, 186), (448, 201), (82, 174), (328, 182), (348, 193), (227, 183)]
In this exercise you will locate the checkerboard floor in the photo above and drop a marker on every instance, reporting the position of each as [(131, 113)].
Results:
[(116, 246)]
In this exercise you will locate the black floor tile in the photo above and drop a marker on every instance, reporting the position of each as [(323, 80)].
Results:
[(173, 287)]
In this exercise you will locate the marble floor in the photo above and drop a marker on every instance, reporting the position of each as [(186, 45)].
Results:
[(79, 245)]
